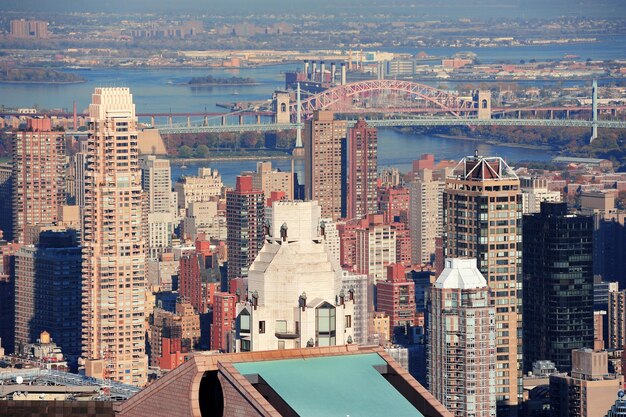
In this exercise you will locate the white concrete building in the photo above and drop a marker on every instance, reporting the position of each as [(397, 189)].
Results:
[(207, 184), (376, 248), (331, 237), (204, 217), (425, 216), (295, 296), (362, 287)]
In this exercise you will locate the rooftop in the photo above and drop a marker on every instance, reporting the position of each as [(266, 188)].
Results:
[(348, 385), (461, 273)]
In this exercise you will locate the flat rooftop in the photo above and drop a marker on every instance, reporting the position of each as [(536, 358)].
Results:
[(348, 385)]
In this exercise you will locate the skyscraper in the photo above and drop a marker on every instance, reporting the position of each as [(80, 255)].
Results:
[(156, 180), (482, 220), (325, 163), (363, 171), (462, 349), (245, 213), (38, 175), (48, 294), (6, 199), (114, 246), (558, 285), (396, 298), (425, 216)]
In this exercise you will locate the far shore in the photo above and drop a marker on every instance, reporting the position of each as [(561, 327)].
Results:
[(495, 142), (182, 161), (42, 82)]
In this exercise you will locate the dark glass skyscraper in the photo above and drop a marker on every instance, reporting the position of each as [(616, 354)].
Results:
[(558, 285)]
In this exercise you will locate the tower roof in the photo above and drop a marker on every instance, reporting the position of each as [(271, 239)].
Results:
[(481, 168), (462, 274)]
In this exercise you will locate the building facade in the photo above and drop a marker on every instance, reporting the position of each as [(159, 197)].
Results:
[(114, 252), (245, 215), (558, 285), (38, 175), (363, 170), (325, 163), (295, 297), (425, 216), (396, 298), (616, 320), (462, 349), (483, 220), (48, 295)]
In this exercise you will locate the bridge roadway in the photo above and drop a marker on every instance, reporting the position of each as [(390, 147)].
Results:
[(268, 127)]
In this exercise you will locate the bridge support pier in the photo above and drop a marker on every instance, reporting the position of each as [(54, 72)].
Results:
[(151, 120), (188, 121), (594, 109), (551, 114), (258, 119), (223, 120), (170, 121), (205, 122), (567, 114), (519, 114), (241, 121)]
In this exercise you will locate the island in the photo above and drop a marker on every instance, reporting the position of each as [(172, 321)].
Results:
[(210, 80), (38, 76)]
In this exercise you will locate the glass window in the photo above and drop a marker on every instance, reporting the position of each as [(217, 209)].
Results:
[(281, 326), (262, 327), (244, 322)]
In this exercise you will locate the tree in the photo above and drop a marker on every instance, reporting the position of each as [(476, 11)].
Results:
[(202, 151), (185, 151)]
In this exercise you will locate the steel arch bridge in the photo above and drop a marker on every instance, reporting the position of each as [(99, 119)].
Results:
[(339, 98)]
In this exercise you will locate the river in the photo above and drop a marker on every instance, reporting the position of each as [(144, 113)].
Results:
[(160, 91)]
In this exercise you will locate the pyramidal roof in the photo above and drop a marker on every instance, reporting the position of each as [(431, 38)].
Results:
[(461, 273), (481, 168)]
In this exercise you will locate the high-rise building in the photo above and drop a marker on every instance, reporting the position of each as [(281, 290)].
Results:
[(462, 349), (156, 179), (6, 201), (616, 320), (534, 191), (396, 298), (483, 220), (590, 389), (80, 162), (363, 290), (325, 163), (38, 174), (558, 285), (114, 253), (363, 171), (375, 248), (295, 297), (271, 180), (245, 209), (425, 216), (48, 295), (29, 29), (207, 184), (223, 320), (199, 277)]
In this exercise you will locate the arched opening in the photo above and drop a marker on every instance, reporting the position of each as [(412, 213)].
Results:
[(211, 397), (484, 103), (283, 107), (325, 325)]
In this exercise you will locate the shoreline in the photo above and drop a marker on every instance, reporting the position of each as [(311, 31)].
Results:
[(43, 82), (495, 142), (234, 158)]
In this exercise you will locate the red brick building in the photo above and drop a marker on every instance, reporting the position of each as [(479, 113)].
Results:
[(396, 298), (223, 319)]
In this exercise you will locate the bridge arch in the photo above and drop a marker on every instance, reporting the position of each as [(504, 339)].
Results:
[(331, 98)]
